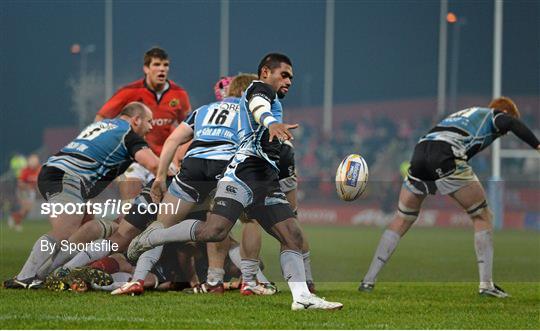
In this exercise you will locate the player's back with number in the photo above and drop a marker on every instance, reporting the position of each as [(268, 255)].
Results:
[(215, 129), (471, 130), (101, 141)]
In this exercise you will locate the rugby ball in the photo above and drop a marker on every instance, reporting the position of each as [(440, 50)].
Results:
[(351, 177)]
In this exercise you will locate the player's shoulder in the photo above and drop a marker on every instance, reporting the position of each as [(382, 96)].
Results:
[(260, 88), (133, 85), (176, 87)]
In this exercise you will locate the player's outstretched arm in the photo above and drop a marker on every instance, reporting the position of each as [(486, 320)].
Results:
[(507, 123)]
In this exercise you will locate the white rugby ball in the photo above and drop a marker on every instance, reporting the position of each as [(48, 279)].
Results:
[(351, 177)]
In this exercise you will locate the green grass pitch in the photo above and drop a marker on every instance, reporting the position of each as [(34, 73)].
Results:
[(430, 282)]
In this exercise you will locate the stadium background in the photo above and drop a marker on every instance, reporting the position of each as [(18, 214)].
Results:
[(384, 87)]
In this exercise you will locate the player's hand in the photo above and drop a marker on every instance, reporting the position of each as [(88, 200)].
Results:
[(281, 131), (159, 187)]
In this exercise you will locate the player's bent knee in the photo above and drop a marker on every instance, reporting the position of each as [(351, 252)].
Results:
[(407, 214), (479, 210)]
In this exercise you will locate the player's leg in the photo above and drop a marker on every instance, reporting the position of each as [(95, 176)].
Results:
[(121, 238), (253, 280), (63, 189), (217, 253), (408, 209), (250, 249), (291, 194), (473, 200), (287, 232), (89, 231)]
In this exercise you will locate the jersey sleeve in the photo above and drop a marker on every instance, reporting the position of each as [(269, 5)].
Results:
[(115, 104), (260, 89), (134, 143), (505, 123), (190, 120)]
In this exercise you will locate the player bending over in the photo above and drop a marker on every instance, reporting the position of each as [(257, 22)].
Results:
[(82, 170), (439, 163)]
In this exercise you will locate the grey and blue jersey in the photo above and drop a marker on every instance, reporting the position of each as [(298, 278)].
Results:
[(470, 131), (101, 152), (254, 137), (215, 129)]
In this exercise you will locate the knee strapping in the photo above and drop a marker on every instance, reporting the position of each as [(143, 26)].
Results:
[(106, 228), (406, 213), (477, 208)]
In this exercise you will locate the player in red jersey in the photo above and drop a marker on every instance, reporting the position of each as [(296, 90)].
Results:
[(169, 104), (26, 192)]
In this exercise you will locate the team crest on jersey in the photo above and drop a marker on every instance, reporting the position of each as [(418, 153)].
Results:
[(174, 102)]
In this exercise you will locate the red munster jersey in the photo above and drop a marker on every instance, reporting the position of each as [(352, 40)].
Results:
[(29, 176), (168, 110)]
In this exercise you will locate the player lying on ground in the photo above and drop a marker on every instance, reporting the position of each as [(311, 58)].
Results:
[(251, 184), (80, 171), (439, 163)]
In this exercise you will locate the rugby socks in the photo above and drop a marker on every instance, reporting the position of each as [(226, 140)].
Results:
[(146, 262), (261, 278), (292, 266), (483, 244), (234, 255), (58, 260), (181, 232), (93, 253), (387, 245), (44, 248), (215, 276), (307, 266), (249, 268)]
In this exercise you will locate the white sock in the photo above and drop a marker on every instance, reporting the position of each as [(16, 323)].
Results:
[(60, 259), (41, 251), (249, 269), (215, 276), (292, 266), (146, 262), (261, 278), (307, 266), (387, 245), (483, 244), (90, 255), (234, 255), (181, 232)]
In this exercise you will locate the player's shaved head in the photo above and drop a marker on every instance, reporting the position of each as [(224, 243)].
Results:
[(134, 109), (506, 105), (240, 83), (273, 61)]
